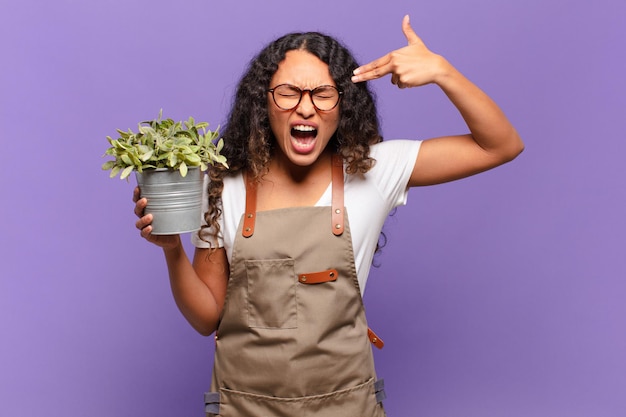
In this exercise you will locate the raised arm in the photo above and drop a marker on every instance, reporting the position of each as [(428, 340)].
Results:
[(199, 288), (492, 140)]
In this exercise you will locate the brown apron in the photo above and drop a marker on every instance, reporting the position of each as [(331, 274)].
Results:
[(293, 340)]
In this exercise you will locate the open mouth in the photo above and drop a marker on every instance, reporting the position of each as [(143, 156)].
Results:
[(303, 138)]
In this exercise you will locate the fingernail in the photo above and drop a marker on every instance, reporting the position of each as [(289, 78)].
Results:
[(356, 71), (355, 79)]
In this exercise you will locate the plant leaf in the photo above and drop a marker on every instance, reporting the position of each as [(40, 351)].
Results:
[(193, 159), (164, 143), (146, 156), (126, 172), (108, 165)]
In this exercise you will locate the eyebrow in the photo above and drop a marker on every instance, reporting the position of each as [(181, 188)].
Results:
[(304, 89)]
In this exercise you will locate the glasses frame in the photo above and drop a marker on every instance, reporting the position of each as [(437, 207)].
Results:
[(308, 90)]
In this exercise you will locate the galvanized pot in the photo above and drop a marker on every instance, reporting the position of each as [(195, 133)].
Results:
[(174, 201)]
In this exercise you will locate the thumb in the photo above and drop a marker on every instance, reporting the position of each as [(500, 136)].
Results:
[(408, 31)]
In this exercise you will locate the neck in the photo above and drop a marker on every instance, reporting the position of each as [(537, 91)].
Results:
[(289, 185), (282, 167)]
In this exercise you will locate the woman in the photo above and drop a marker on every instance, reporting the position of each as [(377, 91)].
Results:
[(292, 225)]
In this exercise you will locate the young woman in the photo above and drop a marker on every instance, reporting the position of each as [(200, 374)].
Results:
[(292, 225)]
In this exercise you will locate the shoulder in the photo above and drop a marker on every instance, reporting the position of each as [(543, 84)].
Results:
[(233, 196), (389, 177), (234, 178), (234, 186), (395, 149), (394, 158)]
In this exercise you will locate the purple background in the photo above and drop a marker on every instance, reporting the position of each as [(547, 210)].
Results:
[(498, 295)]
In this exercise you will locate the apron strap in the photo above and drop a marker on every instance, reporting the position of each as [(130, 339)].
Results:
[(212, 402), (337, 203), (250, 214), (337, 207), (379, 390)]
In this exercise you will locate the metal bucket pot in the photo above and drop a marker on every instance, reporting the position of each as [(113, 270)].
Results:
[(174, 201)]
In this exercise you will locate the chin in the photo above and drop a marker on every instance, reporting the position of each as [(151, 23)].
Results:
[(303, 160)]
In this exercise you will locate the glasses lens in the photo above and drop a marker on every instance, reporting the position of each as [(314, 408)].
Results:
[(325, 97), (287, 96)]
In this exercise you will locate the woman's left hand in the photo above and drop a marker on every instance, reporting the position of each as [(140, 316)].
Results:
[(412, 66), (492, 139)]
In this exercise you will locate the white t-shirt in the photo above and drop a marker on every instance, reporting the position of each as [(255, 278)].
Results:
[(368, 199)]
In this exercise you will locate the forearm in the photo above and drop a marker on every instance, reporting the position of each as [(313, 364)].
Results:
[(194, 298), (488, 125)]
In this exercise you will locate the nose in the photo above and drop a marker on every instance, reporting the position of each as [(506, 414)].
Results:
[(305, 107)]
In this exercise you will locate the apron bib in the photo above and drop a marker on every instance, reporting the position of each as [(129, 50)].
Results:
[(293, 339)]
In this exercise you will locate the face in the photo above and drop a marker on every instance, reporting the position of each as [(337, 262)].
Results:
[(302, 133)]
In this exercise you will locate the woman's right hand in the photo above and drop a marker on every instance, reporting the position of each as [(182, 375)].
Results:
[(144, 224)]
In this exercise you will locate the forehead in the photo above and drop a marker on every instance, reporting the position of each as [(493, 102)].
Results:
[(302, 69)]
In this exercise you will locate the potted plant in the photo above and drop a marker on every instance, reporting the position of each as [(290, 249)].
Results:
[(168, 159)]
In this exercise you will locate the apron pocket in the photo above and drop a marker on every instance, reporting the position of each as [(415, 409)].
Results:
[(271, 293), (358, 401)]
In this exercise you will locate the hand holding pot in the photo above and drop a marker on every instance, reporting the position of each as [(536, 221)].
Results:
[(144, 224)]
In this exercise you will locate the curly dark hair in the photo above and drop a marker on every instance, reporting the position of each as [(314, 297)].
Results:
[(248, 138)]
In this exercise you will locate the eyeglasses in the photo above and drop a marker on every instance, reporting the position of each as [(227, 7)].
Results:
[(287, 96)]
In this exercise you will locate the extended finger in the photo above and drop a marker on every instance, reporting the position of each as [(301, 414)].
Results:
[(375, 69)]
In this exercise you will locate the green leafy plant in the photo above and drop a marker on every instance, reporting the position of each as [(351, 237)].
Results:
[(163, 143)]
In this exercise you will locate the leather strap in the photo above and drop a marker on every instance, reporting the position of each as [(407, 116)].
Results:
[(249, 217), (376, 341), (337, 202), (337, 207), (318, 277)]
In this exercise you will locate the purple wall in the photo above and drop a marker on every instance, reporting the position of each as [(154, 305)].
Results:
[(499, 295)]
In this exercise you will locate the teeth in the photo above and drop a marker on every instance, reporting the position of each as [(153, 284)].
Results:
[(302, 128)]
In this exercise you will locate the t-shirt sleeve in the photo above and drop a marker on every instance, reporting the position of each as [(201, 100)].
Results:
[(395, 160)]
